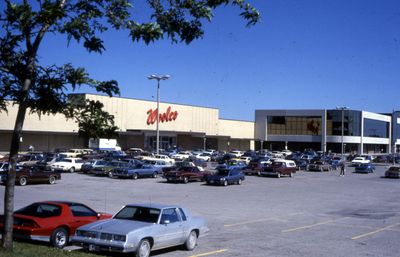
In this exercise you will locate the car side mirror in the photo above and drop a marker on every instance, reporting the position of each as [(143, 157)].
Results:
[(166, 222)]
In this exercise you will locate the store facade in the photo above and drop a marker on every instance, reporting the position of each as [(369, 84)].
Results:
[(360, 132), (184, 126)]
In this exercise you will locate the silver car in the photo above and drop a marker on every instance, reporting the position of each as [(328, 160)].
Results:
[(141, 228)]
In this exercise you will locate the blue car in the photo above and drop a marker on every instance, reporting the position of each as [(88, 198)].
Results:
[(225, 177), (365, 168), (134, 172)]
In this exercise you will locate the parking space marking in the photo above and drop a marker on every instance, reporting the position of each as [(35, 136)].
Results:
[(313, 225), (209, 253), (376, 231), (259, 220)]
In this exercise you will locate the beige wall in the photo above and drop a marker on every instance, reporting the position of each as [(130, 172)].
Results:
[(236, 129), (132, 114)]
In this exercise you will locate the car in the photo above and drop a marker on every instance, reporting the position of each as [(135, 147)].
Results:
[(135, 172), (142, 228), (236, 153), (319, 165), (279, 168), (393, 172), (365, 168), (52, 221), (73, 153), (359, 160), (185, 174), (107, 169), (225, 177), (68, 164), (203, 156), (33, 174), (157, 157), (181, 156), (87, 167)]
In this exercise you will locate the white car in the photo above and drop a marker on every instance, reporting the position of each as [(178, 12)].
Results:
[(245, 159), (157, 157), (68, 164), (236, 153), (181, 156), (203, 156), (360, 160), (73, 153)]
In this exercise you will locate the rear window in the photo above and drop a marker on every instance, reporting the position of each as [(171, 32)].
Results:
[(40, 210)]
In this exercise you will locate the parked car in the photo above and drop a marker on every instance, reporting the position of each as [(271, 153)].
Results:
[(30, 159), (157, 157), (135, 172), (279, 168), (365, 168), (181, 156), (52, 221), (33, 174), (107, 169), (319, 165), (236, 153), (393, 172), (185, 174), (87, 167), (68, 164), (142, 228), (359, 160), (225, 177), (203, 156)]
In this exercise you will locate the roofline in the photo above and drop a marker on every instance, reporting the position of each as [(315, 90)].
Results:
[(138, 99)]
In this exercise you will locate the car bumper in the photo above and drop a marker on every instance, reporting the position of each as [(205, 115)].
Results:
[(98, 245)]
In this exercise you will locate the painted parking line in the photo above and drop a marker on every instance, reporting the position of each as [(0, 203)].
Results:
[(260, 220), (313, 225), (376, 231), (209, 253)]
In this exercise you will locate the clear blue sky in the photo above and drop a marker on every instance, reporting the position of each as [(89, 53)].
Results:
[(303, 54)]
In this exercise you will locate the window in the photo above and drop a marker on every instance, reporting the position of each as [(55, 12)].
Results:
[(183, 215), (143, 214), (82, 211), (294, 125), (169, 215), (41, 210), (376, 128), (351, 123)]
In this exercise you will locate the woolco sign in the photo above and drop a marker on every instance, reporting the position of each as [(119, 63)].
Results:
[(164, 117)]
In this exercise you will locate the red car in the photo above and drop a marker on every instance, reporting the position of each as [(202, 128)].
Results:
[(52, 221)]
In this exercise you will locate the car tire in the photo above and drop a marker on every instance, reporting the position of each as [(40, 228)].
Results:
[(143, 249), (185, 180), (23, 181), (110, 174), (278, 175), (239, 181), (52, 180), (135, 176), (72, 170), (155, 175), (191, 241), (59, 238), (291, 174), (225, 183)]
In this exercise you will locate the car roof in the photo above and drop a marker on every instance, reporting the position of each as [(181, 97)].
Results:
[(154, 205)]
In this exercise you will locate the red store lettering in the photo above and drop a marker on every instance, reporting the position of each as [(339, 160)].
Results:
[(164, 117)]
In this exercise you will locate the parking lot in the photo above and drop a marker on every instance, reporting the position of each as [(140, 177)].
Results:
[(311, 214)]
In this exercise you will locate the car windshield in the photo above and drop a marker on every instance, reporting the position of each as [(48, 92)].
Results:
[(137, 213), (41, 210)]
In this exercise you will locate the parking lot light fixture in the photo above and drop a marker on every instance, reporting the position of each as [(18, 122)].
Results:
[(158, 78), (342, 109)]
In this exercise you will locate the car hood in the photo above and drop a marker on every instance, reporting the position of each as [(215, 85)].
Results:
[(118, 226)]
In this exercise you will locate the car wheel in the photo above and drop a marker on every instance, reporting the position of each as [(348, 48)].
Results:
[(52, 180), (110, 174), (143, 249), (191, 241), (185, 180), (72, 170), (239, 181), (291, 174), (278, 175), (155, 175), (59, 238), (225, 183), (258, 173), (135, 176), (23, 181)]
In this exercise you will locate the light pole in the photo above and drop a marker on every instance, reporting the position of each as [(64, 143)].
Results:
[(158, 78), (342, 109)]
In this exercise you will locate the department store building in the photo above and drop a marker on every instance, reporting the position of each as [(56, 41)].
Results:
[(180, 125)]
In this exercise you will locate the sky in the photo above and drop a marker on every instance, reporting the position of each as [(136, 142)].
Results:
[(303, 54)]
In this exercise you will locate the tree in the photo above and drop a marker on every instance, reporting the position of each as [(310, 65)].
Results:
[(44, 89)]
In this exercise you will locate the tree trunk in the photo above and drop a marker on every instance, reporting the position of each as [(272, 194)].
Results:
[(7, 243)]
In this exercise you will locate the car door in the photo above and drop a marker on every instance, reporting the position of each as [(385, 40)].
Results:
[(36, 175), (172, 230)]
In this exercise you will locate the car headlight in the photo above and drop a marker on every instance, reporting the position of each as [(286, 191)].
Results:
[(222, 179)]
